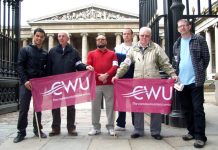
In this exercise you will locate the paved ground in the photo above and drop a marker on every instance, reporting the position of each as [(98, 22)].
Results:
[(172, 135)]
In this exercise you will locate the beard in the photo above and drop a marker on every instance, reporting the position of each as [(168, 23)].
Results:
[(101, 46)]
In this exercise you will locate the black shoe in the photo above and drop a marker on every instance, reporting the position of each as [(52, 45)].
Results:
[(157, 137), (19, 138), (54, 132), (187, 137), (72, 132), (199, 144), (43, 135), (135, 135)]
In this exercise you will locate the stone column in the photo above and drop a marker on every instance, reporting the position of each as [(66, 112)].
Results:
[(208, 39), (216, 88), (84, 46), (135, 38), (69, 41), (50, 40), (24, 42), (216, 45), (118, 38)]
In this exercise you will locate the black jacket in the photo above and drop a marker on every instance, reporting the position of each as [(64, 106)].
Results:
[(66, 61), (31, 63)]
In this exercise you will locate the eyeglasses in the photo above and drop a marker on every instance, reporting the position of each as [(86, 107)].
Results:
[(182, 26), (145, 36), (100, 39)]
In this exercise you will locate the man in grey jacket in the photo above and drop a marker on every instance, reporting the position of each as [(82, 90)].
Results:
[(148, 58)]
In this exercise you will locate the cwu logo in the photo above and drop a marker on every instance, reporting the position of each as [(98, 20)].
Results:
[(140, 91), (57, 87)]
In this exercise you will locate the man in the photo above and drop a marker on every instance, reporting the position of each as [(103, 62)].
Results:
[(192, 58), (148, 57), (31, 63), (105, 65), (121, 51), (64, 59)]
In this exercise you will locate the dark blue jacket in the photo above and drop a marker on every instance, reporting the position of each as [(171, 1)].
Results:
[(66, 61), (31, 63)]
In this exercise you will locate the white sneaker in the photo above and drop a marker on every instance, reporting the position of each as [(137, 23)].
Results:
[(94, 132), (117, 128), (111, 132)]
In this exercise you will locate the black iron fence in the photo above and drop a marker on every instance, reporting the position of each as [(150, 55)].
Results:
[(9, 46)]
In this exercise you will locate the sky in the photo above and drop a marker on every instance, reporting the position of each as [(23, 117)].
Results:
[(31, 9)]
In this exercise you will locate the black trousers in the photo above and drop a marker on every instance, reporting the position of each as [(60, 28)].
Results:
[(25, 98), (121, 120), (192, 100), (56, 114)]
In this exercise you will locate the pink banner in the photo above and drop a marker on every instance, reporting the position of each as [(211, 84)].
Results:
[(143, 95), (63, 90)]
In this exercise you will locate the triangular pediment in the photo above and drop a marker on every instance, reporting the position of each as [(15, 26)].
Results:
[(90, 12)]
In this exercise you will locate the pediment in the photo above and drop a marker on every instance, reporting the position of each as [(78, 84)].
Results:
[(91, 12)]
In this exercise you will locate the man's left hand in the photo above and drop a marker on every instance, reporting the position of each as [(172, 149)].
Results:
[(89, 67)]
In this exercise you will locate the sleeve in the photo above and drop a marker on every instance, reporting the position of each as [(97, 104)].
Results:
[(49, 64), (79, 64), (164, 62), (124, 66), (90, 61), (112, 71), (205, 52), (21, 63)]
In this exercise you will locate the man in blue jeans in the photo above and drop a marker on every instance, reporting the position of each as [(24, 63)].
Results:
[(192, 58), (121, 51)]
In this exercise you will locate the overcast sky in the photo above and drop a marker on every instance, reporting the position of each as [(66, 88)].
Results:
[(31, 9)]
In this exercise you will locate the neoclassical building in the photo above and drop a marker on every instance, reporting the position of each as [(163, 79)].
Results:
[(208, 27), (85, 23)]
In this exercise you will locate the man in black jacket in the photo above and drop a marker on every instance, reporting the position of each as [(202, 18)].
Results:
[(64, 59), (32, 61)]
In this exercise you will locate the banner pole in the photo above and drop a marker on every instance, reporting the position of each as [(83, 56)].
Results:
[(37, 123), (115, 135)]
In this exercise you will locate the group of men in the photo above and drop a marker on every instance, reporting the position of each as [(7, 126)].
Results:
[(141, 60)]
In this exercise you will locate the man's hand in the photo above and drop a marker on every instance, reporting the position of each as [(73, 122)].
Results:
[(114, 78), (89, 67), (103, 77), (176, 78), (28, 85)]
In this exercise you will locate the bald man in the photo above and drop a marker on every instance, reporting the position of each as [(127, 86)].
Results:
[(105, 65), (147, 57), (64, 59)]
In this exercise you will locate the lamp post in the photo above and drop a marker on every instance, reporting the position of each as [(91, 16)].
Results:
[(176, 117)]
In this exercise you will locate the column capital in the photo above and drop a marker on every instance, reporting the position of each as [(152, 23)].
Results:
[(50, 34), (101, 33), (206, 30), (84, 34), (118, 33), (135, 33), (24, 39), (215, 25)]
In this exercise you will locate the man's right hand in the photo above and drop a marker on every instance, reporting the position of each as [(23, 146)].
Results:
[(28, 85), (114, 78)]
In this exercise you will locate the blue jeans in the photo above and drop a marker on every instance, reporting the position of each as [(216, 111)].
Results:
[(121, 119), (192, 100)]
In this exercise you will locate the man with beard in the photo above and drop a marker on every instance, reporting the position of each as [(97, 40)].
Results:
[(105, 64)]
